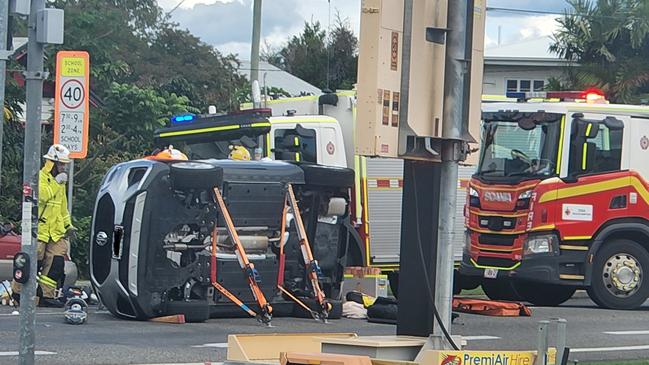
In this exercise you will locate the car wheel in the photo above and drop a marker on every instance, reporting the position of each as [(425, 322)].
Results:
[(618, 280), (501, 289), (320, 175), (195, 175), (546, 295)]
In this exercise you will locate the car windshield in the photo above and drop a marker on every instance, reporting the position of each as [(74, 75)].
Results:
[(218, 149), (512, 150), (206, 150)]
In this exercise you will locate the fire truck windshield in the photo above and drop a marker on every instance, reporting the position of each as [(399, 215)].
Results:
[(519, 150)]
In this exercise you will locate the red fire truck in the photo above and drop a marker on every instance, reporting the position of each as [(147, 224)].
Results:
[(560, 201)]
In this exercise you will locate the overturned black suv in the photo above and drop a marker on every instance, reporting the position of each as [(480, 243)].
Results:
[(156, 222)]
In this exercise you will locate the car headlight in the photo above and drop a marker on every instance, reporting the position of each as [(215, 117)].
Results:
[(523, 201), (541, 244), (474, 198), (525, 195)]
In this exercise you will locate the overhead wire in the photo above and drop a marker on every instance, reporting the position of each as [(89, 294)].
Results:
[(176, 7), (566, 12)]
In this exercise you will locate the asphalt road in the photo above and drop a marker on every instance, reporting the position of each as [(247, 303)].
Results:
[(593, 334)]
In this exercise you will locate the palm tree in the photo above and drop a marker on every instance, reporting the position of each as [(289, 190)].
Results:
[(608, 38)]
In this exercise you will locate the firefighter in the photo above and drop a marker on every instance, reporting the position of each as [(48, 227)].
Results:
[(239, 153), (54, 226)]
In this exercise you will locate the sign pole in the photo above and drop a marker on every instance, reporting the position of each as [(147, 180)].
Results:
[(70, 186), (4, 54)]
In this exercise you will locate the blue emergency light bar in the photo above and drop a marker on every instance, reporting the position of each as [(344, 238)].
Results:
[(181, 119), (589, 96)]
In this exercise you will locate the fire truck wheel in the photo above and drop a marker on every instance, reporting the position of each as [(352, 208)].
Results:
[(501, 289), (195, 175), (545, 295), (618, 279)]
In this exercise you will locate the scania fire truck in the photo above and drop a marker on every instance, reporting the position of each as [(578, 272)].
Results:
[(560, 201)]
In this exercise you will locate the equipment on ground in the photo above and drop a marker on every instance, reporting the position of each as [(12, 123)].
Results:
[(76, 311), (560, 200)]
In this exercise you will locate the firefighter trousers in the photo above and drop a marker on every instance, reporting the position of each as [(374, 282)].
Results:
[(50, 267)]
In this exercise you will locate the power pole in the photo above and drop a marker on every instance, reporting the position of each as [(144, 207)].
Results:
[(256, 38), (458, 54), (4, 55), (32, 154)]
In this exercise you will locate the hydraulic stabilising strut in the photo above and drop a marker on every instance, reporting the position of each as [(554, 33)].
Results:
[(312, 268), (248, 268)]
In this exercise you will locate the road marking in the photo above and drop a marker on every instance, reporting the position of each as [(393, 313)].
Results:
[(639, 332), (480, 338), (193, 363), (38, 314), (218, 345), (15, 353), (611, 349)]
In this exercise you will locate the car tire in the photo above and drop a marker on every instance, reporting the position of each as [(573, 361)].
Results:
[(464, 282), (195, 175), (618, 261), (544, 295), (500, 289), (193, 310), (320, 175)]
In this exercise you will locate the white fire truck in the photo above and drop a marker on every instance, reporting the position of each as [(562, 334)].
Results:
[(329, 119)]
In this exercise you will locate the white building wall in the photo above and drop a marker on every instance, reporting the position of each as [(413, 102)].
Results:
[(47, 111), (495, 76)]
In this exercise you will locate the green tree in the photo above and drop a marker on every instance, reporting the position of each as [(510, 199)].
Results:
[(343, 53), (305, 55), (143, 70), (308, 55), (609, 40)]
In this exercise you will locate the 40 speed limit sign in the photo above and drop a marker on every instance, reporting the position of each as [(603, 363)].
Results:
[(71, 106)]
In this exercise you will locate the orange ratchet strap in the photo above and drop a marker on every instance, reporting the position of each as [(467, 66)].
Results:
[(247, 267)]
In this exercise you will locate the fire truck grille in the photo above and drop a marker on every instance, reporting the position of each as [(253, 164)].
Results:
[(496, 239), (495, 262), (497, 223)]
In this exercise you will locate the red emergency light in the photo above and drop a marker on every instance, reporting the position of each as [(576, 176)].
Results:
[(589, 96)]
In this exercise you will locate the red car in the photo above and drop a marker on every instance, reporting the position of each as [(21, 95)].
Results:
[(10, 245)]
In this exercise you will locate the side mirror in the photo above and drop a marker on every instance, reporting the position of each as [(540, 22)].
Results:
[(613, 123)]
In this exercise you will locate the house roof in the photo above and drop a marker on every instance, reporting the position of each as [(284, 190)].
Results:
[(529, 52), (275, 77)]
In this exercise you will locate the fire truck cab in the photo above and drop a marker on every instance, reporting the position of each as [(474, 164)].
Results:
[(560, 201)]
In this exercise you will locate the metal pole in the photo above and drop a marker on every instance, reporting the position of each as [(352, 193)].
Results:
[(32, 158), (454, 102), (542, 343), (256, 36), (562, 324), (70, 186), (4, 26)]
